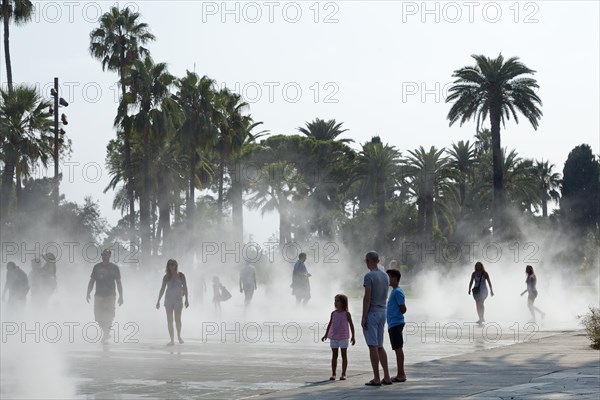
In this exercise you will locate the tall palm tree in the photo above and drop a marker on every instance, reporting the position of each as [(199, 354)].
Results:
[(462, 159), (198, 132), (19, 12), (241, 152), (324, 130), (156, 113), (25, 127), (497, 88), (118, 43), (229, 121), (378, 163), (549, 183), (431, 179)]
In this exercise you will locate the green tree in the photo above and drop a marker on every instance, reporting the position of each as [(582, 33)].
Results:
[(118, 43), (324, 130), (378, 163), (198, 132), (276, 189), (462, 159), (156, 113), (431, 181), (548, 183), (494, 88), (580, 200), (25, 126), (20, 12)]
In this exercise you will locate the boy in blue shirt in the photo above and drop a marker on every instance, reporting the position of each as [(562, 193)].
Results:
[(396, 308)]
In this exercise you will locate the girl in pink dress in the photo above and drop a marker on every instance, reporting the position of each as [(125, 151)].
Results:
[(338, 332)]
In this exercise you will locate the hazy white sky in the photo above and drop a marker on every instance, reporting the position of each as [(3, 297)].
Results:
[(380, 67)]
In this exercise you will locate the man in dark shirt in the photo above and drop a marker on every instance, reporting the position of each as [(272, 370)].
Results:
[(17, 285), (106, 275), (300, 283)]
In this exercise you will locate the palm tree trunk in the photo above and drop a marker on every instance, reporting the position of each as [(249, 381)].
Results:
[(177, 206), (7, 184), (380, 214), (128, 167), (18, 189), (221, 178), (544, 208), (164, 212), (498, 203), (237, 208), (6, 20), (463, 191), (428, 217), (145, 202), (190, 204), (420, 217)]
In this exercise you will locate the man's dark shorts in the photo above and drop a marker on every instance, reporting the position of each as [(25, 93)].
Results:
[(396, 336)]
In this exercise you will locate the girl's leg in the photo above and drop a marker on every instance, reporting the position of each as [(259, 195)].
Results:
[(334, 357), (178, 322), (480, 310), (531, 308), (344, 362), (170, 322)]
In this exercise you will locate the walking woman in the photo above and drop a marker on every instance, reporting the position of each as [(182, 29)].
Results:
[(176, 286), (480, 291), (531, 282)]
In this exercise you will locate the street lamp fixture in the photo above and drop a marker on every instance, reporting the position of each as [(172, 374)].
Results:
[(58, 102)]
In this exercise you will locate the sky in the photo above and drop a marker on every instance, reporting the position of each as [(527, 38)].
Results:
[(380, 67)]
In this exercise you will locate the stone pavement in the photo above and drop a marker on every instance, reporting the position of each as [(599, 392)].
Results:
[(561, 366)]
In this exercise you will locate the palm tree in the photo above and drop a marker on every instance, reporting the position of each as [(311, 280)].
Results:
[(20, 12), (277, 187), (25, 125), (431, 179), (196, 97), (157, 113), (378, 163), (483, 141), (494, 87), (241, 151), (229, 121), (462, 159), (324, 130), (549, 183), (118, 43)]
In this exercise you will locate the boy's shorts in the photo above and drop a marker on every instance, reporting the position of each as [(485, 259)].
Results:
[(396, 339), (342, 344)]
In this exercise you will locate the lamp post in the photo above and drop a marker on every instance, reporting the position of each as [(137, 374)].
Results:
[(58, 101)]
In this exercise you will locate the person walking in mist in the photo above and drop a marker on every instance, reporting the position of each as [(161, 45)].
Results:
[(42, 284), (17, 287), (373, 319), (106, 276), (300, 283), (480, 292), (531, 282), (176, 288), (248, 282)]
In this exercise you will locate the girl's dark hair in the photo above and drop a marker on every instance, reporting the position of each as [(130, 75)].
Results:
[(343, 299), (528, 274), (479, 264), (171, 262)]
